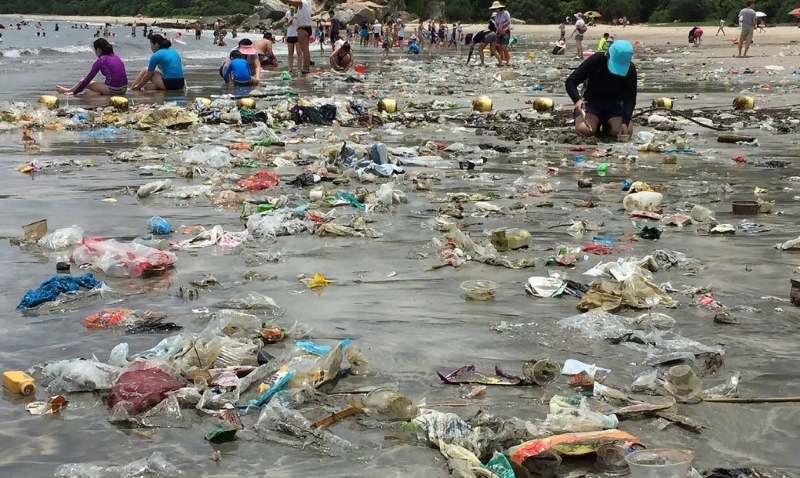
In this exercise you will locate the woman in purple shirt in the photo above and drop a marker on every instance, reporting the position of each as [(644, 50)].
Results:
[(110, 65)]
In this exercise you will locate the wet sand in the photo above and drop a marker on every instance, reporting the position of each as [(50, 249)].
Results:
[(412, 321)]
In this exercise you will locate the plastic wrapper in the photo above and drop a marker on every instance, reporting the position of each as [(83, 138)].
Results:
[(117, 259), (155, 465), (62, 238), (597, 324), (208, 156), (571, 444), (141, 386), (216, 236), (80, 376), (119, 355), (581, 419), (728, 389)]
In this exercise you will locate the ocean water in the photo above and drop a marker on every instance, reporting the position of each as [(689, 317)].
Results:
[(410, 321)]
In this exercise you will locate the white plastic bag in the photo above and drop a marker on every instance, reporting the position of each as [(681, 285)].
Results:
[(80, 375), (62, 238), (208, 156)]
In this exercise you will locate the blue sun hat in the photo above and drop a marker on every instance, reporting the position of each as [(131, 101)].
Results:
[(619, 57)]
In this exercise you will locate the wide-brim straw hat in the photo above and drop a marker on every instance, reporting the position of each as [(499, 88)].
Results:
[(496, 6)]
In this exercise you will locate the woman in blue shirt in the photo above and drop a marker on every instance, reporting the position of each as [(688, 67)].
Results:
[(170, 78)]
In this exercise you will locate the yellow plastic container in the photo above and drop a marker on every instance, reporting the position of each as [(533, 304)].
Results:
[(19, 382)]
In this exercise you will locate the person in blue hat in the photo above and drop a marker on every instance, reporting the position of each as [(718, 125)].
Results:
[(609, 94)]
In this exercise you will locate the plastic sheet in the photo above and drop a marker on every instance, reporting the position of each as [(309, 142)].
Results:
[(153, 187), (50, 289), (216, 236), (155, 465), (117, 259)]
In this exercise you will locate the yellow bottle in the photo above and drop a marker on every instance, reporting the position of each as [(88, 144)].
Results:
[(19, 382)]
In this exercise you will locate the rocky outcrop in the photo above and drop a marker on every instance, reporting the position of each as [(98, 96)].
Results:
[(271, 9), (349, 12), (435, 11)]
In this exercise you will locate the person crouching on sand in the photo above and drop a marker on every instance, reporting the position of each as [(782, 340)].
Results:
[(112, 68)]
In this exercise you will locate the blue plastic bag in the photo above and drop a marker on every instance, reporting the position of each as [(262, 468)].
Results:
[(158, 225)]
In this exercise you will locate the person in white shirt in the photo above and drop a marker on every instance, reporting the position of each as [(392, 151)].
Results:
[(291, 39), (303, 17), (721, 28), (503, 23), (578, 32), (376, 32)]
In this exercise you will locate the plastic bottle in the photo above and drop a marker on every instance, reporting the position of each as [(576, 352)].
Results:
[(642, 201), (19, 382), (602, 168), (359, 365)]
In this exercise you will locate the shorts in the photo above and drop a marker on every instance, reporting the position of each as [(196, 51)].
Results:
[(400, 38), (504, 38), (386, 45), (174, 84), (364, 34), (490, 37), (579, 36), (117, 90), (305, 29), (241, 84), (746, 36), (291, 39), (268, 61), (604, 112)]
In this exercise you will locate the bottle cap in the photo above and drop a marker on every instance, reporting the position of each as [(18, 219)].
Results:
[(28, 389)]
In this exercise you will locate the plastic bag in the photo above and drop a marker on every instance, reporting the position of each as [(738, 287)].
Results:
[(141, 386), (260, 180), (80, 375), (268, 225), (154, 187), (119, 355), (155, 465), (158, 225), (249, 300), (50, 289), (62, 238), (119, 259), (208, 156)]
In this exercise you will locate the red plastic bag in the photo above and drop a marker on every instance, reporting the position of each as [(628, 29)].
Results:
[(142, 386), (260, 180), (121, 259)]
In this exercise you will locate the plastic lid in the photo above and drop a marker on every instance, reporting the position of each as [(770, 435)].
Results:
[(28, 389)]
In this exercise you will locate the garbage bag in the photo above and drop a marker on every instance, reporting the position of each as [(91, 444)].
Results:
[(141, 386), (50, 289), (118, 259), (324, 114), (62, 238)]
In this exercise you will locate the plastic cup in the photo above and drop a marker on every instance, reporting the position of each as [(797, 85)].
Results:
[(660, 463), (479, 289)]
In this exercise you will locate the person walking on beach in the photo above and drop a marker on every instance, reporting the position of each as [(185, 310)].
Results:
[(610, 95), (303, 17), (217, 27), (721, 28), (133, 29), (503, 23), (335, 26), (198, 30), (578, 32), (562, 29), (747, 20), (164, 58), (110, 65)]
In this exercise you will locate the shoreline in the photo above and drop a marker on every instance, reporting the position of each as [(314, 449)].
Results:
[(96, 19)]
